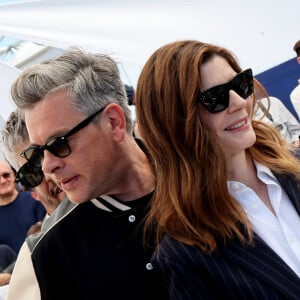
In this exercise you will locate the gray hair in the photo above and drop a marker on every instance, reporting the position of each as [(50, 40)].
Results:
[(14, 133), (91, 80)]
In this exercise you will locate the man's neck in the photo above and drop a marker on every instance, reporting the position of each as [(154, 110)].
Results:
[(8, 198)]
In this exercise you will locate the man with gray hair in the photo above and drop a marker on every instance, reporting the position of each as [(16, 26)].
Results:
[(14, 140), (80, 131)]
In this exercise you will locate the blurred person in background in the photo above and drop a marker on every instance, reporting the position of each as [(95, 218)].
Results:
[(18, 210), (271, 110), (295, 94), (14, 140)]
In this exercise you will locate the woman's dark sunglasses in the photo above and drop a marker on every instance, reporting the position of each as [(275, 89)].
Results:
[(58, 146), (29, 175), (216, 99)]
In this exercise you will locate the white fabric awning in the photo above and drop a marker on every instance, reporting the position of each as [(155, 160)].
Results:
[(260, 33), (8, 75)]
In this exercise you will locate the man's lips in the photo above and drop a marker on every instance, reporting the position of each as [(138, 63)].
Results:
[(68, 182), (65, 180)]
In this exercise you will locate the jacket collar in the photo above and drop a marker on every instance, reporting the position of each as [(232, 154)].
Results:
[(261, 260)]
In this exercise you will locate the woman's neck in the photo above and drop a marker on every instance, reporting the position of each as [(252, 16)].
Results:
[(241, 168)]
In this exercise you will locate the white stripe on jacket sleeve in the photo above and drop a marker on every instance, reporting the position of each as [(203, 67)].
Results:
[(23, 283)]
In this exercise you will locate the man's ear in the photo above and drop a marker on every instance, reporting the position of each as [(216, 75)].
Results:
[(116, 118), (298, 59), (36, 196)]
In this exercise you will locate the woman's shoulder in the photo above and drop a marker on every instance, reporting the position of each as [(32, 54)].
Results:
[(173, 248)]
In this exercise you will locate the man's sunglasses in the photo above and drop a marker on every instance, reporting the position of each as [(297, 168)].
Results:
[(216, 99), (58, 146), (29, 175)]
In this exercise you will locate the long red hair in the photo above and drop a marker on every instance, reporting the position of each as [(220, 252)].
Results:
[(191, 201)]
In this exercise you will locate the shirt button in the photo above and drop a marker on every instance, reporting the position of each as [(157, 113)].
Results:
[(254, 205), (235, 186), (131, 218), (149, 266), (289, 237)]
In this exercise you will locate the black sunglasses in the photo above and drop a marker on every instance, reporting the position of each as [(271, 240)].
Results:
[(29, 175), (216, 99), (58, 146)]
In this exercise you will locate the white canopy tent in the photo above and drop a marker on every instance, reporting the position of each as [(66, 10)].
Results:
[(261, 34), (8, 75)]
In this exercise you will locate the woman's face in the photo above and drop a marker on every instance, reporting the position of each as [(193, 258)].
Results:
[(232, 126)]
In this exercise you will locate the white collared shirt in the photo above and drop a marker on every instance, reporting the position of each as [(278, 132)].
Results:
[(280, 232)]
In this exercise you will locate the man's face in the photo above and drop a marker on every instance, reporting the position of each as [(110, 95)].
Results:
[(88, 170), (91, 155), (7, 180)]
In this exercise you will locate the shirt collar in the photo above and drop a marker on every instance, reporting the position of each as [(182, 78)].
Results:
[(263, 173)]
